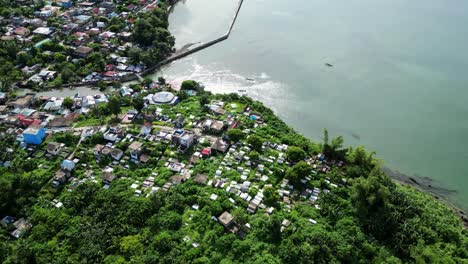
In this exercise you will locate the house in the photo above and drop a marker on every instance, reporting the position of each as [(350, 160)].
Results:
[(60, 177), (106, 151), (64, 3), (116, 153), (53, 148), (47, 75), (179, 122), (252, 208), (88, 101), (146, 129), (108, 175), (24, 121), (186, 140), (44, 31), (177, 179), (83, 51), (144, 158), (97, 150), (22, 31), (214, 126), (135, 149), (21, 226), (195, 157), (201, 179), (125, 91), (34, 134), (67, 165), (22, 102), (53, 105), (285, 224), (30, 70), (217, 126), (206, 152), (69, 28), (7, 221), (217, 107), (60, 121), (3, 109), (220, 145), (114, 133), (226, 219), (109, 74)]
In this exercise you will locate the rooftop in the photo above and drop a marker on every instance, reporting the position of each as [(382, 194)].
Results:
[(225, 218)]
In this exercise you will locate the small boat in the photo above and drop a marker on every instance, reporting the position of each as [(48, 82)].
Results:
[(242, 91), (328, 64), (356, 136), (249, 79)]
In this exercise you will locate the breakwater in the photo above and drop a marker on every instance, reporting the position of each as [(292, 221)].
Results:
[(184, 52)]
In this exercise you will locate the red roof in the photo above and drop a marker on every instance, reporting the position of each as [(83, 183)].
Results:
[(80, 34), (109, 73), (28, 121), (206, 151)]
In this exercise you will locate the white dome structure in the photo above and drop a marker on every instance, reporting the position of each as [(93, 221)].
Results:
[(164, 98)]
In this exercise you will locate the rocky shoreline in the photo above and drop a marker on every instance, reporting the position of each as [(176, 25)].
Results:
[(426, 185)]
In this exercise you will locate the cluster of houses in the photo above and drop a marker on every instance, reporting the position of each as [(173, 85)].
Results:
[(83, 26), (30, 118), (17, 227)]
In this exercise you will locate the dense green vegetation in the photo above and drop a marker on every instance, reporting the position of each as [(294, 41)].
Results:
[(367, 218)]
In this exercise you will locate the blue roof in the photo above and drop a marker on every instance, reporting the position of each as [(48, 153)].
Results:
[(68, 164)]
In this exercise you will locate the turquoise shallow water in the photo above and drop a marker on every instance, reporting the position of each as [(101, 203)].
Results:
[(399, 81)]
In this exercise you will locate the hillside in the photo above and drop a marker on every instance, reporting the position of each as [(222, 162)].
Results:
[(205, 178)]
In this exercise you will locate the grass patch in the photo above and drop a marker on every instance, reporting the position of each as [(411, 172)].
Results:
[(89, 122)]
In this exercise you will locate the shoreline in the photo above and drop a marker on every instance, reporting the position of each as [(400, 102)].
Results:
[(423, 184)]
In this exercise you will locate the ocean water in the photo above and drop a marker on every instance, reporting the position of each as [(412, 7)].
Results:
[(398, 85)]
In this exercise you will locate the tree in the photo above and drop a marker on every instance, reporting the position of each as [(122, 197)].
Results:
[(134, 53), (271, 196), (190, 85), (67, 74), (138, 103), (68, 102), (59, 57), (182, 95), (372, 201), (335, 148), (131, 245), (204, 99), (255, 141), (114, 105), (254, 156), (298, 171), (146, 81), (235, 134), (295, 154), (161, 80)]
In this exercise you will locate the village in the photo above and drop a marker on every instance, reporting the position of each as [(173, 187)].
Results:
[(171, 141), (65, 42)]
